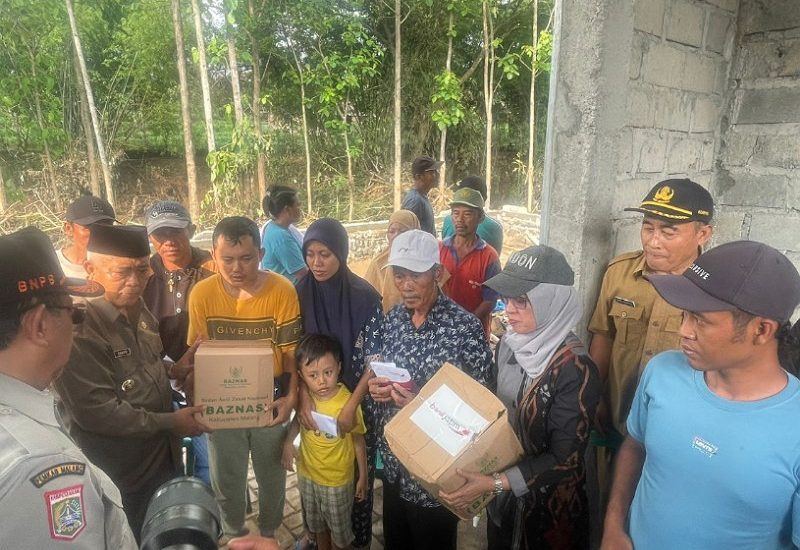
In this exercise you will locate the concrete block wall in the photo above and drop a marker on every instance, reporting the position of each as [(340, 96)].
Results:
[(757, 180), (678, 69)]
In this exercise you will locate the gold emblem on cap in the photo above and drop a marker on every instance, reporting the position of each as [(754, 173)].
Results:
[(664, 194), (128, 385)]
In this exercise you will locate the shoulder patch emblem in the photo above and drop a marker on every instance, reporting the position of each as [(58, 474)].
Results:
[(65, 512), (63, 469)]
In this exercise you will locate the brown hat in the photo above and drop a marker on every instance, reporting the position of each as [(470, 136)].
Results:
[(424, 164)]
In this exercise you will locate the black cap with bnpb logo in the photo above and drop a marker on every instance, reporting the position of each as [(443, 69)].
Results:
[(745, 275)]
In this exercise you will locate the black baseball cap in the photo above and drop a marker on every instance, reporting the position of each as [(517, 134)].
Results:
[(423, 164), (745, 275), (530, 267), (678, 201), (126, 241), (89, 209), (29, 267)]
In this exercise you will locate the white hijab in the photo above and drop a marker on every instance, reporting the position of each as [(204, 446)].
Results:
[(556, 310)]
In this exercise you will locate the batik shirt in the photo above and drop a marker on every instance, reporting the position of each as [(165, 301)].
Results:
[(449, 334)]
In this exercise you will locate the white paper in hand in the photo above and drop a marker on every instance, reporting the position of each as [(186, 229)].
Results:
[(390, 371), (325, 423)]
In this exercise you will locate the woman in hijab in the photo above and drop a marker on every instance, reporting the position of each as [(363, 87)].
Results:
[(335, 301), (551, 388), (378, 275)]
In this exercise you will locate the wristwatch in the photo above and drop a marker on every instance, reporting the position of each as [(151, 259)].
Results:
[(498, 484)]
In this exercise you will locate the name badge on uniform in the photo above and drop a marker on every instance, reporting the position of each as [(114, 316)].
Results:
[(122, 353), (624, 301), (128, 385)]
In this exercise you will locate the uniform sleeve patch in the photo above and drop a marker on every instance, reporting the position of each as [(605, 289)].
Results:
[(63, 469), (65, 512)]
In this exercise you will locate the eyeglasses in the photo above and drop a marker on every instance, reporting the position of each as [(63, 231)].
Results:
[(78, 313), (520, 302)]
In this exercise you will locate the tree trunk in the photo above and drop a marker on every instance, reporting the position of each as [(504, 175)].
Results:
[(86, 123), (398, 65), (234, 65), (351, 191), (443, 137), (488, 92), (48, 159), (101, 150), (306, 148), (261, 164), (201, 50), (3, 202), (532, 111), (186, 117)]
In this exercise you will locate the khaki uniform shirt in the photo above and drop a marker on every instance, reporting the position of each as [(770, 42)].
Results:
[(50, 494), (115, 396), (641, 325)]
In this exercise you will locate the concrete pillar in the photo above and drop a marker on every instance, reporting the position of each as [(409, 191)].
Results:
[(588, 96)]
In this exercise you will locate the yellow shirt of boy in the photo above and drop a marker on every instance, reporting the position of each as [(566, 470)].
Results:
[(326, 459)]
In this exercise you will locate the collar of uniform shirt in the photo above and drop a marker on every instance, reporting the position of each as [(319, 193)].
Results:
[(31, 402)]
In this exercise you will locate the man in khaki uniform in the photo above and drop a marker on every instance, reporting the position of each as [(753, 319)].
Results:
[(631, 322), (116, 398), (50, 494)]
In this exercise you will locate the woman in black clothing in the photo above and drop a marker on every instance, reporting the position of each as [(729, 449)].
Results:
[(551, 389)]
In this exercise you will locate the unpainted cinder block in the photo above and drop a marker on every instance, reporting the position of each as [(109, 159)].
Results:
[(685, 22)]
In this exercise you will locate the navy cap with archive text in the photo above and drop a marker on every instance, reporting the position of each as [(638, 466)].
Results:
[(745, 275)]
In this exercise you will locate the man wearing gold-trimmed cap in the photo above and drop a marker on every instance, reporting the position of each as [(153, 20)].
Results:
[(115, 394), (631, 322)]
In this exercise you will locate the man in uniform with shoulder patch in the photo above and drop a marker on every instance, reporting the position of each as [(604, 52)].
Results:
[(115, 394), (631, 322), (50, 494)]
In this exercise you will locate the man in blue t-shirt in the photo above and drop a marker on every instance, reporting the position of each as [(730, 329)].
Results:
[(426, 173), (712, 456)]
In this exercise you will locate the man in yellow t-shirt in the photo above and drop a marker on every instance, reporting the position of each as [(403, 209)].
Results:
[(242, 303), (325, 465)]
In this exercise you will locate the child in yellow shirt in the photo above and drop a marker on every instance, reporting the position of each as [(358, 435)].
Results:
[(325, 465)]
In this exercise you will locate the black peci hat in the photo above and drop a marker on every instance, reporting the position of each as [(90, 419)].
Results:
[(126, 241), (29, 267)]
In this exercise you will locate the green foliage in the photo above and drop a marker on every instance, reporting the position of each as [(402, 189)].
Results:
[(345, 50), (447, 99), (229, 165)]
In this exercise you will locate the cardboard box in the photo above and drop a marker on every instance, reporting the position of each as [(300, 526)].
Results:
[(233, 381), (453, 422)]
